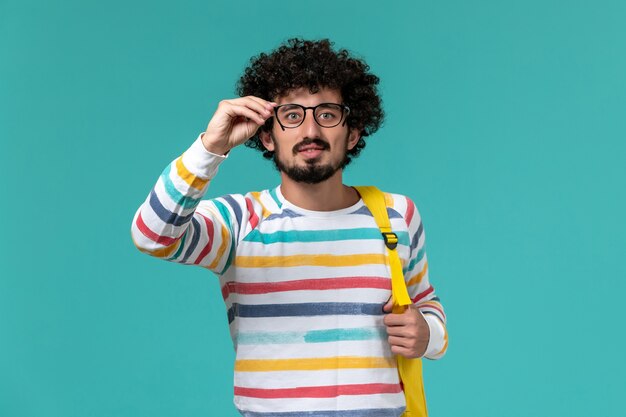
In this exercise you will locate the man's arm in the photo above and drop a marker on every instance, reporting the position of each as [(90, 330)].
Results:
[(173, 223), (421, 329)]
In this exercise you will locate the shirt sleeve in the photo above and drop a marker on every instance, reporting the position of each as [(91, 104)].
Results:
[(175, 224), (420, 289)]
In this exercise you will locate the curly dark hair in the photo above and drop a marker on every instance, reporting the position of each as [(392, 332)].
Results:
[(299, 63)]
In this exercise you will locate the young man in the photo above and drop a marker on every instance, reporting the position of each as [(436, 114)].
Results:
[(302, 266)]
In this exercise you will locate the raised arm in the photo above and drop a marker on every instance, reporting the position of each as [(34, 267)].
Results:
[(174, 223)]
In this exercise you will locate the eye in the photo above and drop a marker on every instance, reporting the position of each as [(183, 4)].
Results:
[(326, 116), (328, 113), (292, 116)]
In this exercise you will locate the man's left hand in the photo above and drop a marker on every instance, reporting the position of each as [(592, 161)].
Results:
[(408, 332)]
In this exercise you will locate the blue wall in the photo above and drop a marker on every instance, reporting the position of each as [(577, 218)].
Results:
[(505, 124)]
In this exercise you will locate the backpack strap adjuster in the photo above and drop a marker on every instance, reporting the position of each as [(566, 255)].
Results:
[(391, 240)]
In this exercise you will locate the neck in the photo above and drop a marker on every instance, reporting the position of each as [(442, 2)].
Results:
[(328, 195)]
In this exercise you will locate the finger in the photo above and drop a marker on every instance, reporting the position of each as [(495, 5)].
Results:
[(398, 331), (255, 103), (263, 106), (396, 320), (233, 108), (267, 104), (400, 350), (400, 342), (388, 306), (234, 111)]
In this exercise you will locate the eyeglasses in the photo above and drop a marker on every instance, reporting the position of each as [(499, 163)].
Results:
[(290, 116)]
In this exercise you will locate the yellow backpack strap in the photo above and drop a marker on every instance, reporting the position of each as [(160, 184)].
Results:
[(374, 199), (410, 370)]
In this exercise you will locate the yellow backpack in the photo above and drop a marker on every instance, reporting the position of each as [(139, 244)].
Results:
[(410, 370)]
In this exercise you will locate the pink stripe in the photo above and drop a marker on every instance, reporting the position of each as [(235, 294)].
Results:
[(434, 308), (423, 294), (306, 284), (210, 230), (162, 240), (410, 210), (254, 219), (319, 392)]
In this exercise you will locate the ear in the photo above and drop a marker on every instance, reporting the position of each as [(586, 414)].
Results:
[(353, 138), (266, 139)]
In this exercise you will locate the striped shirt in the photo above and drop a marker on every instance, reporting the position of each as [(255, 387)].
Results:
[(303, 290)]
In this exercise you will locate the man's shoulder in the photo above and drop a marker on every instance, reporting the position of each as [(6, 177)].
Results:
[(397, 200), (401, 205)]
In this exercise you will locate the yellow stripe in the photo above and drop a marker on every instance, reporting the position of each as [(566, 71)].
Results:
[(164, 252), (418, 278), (313, 364), (388, 200), (257, 197), (430, 304), (193, 181), (309, 260), (222, 248)]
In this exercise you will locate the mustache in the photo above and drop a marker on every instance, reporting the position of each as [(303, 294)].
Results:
[(306, 142)]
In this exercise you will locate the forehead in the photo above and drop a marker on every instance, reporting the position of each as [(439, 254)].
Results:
[(304, 97)]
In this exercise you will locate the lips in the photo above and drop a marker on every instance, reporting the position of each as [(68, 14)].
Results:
[(310, 147)]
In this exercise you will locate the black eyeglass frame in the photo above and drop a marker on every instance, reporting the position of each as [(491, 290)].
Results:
[(345, 111)]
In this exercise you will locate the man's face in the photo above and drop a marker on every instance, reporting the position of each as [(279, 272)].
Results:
[(310, 153)]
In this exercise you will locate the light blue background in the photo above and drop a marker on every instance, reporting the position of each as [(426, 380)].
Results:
[(505, 124)]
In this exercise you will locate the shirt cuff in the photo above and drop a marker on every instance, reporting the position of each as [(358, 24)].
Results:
[(200, 162), (437, 337)]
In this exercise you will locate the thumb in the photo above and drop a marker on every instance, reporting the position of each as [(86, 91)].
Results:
[(389, 305)]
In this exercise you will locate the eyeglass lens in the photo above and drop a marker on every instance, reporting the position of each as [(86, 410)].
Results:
[(326, 115)]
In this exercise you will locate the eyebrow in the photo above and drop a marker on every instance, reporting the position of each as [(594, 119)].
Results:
[(289, 106)]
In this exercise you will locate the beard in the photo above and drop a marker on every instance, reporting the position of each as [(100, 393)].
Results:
[(313, 172)]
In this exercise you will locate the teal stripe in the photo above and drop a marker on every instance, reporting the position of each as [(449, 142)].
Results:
[(290, 236), (228, 223), (184, 201), (225, 214), (180, 248), (418, 258), (270, 338), (275, 197), (335, 335), (314, 336)]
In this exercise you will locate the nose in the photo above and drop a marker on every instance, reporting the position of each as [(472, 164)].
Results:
[(309, 126)]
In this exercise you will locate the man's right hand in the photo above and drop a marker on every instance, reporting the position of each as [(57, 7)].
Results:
[(235, 121)]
